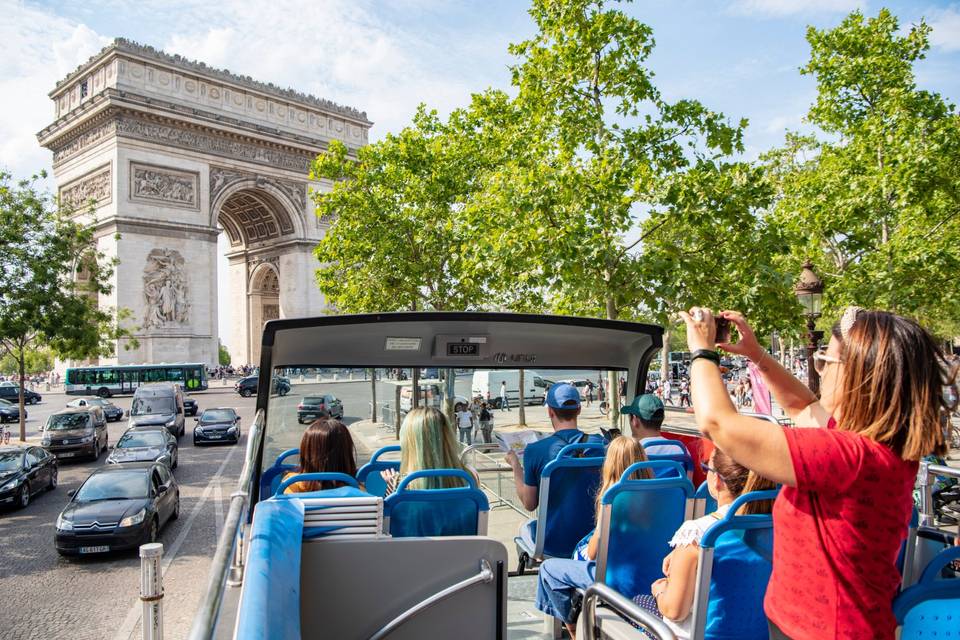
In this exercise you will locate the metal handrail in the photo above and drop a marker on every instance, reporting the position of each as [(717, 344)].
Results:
[(228, 558), (625, 608), (485, 576), (925, 482)]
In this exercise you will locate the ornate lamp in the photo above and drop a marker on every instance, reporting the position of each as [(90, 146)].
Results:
[(809, 291)]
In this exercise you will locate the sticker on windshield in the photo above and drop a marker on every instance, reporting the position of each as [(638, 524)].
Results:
[(403, 344)]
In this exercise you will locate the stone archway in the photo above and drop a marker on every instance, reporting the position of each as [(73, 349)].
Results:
[(174, 153)]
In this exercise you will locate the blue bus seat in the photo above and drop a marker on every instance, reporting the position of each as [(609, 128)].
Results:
[(271, 476), (931, 607), (457, 511), (369, 474), (341, 512), (350, 481), (681, 454), (568, 489), (638, 518), (271, 582), (736, 559), (703, 502)]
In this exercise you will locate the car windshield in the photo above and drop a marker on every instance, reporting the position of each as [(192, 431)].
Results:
[(145, 406), (115, 485), (10, 461), (218, 415), (67, 421), (141, 439)]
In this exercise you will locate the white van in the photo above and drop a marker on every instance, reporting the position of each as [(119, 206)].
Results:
[(484, 381)]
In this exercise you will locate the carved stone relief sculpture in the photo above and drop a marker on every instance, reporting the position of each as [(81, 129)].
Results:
[(165, 289), (96, 185), (177, 188)]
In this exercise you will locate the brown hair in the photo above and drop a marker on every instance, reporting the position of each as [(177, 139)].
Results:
[(326, 446), (740, 480), (622, 452), (566, 415), (892, 385)]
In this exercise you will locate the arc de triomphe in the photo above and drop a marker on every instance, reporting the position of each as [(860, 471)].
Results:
[(173, 152)]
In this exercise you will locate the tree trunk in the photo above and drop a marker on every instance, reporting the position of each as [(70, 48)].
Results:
[(613, 397), (415, 380), (665, 355), (522, 412), (449, 393), (21, 366), (373, 395)]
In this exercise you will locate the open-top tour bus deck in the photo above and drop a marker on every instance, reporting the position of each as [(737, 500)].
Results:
[(436, 563)]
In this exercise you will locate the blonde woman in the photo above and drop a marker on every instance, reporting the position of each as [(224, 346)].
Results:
[(427, 441), (560, 579)]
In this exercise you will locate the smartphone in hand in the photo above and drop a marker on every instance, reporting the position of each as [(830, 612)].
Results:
[(723, 329)]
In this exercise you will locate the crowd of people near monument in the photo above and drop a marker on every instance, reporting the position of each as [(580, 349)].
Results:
[(881, 408)]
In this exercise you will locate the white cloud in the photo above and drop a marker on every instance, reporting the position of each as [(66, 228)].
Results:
[(780, 8), (44, 48), (945, 26)]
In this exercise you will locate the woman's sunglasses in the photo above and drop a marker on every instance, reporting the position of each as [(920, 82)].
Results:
[(707, 469), (821, 360)]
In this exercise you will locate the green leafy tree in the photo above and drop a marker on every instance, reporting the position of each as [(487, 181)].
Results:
[(223, 355), (37, 360), (43, 249), (873, 196)]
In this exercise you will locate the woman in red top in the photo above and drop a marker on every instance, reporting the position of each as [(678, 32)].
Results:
[(843, 512)]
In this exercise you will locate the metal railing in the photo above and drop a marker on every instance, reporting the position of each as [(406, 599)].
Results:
[(601, 593), (228, 560), (478, 457)]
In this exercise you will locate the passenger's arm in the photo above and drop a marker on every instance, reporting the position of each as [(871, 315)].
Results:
[(526, 493), (756, 444), (594, 545), (789, 392), (676, 599)]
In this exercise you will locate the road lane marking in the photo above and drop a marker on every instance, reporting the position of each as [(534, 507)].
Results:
[(125, 632)]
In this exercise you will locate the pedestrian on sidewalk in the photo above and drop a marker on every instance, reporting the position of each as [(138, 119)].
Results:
[(486, 423), (504, 400), (465, 423)]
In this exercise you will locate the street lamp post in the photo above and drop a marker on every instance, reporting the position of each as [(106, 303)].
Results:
[(809, 291)]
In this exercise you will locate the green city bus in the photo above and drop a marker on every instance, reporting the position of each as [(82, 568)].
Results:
[(106, 381)]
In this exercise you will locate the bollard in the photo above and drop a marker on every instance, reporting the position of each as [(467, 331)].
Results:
[(151, 591)]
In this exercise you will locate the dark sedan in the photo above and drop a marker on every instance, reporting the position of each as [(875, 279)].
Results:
[(119, 506), (217, 425), (10, 412), (12, 393), (111, 412), (145, 444), (313, 407), (190, 407), (247, 387), (25, 472)]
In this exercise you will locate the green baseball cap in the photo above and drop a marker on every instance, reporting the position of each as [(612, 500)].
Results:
[(644, 407)]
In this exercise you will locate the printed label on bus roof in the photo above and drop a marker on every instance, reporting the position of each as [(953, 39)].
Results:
[(403, 344)]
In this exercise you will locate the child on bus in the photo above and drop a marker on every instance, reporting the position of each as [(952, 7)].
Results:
[(326, 446)]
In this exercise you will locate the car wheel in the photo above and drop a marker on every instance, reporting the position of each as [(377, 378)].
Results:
[(246, 393), (299, 420), (176, 461), (53, 481), (194, 442), (23, 496), (154, 531), (96, 450), (176, 508)]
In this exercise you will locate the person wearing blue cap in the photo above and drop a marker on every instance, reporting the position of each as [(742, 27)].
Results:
[(563, 408)]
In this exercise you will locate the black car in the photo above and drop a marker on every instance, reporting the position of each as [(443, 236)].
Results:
[(111, 412), (313, 407), (217, 425), (247, 387), (190, 407), (12, 393), (24, 472), (145, 444), (119, 506), (76, 432), (10, 412)]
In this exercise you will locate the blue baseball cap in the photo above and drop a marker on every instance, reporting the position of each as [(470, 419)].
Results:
[(563, 396)]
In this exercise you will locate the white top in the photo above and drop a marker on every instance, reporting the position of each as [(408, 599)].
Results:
[(464, 419), (690, 533)]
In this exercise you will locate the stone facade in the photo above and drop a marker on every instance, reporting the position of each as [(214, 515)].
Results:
[(169, 152)]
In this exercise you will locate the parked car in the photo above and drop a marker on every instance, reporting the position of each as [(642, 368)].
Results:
[(112, 412), (313, 407), (145, 444), (24, 472), (10, 411), (247, 387), (217, 425), (76, 432), (190, 407), (11, 392), (118, 506), (158, 404)]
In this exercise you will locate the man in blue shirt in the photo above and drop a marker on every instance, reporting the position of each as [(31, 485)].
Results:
[(563, 408)]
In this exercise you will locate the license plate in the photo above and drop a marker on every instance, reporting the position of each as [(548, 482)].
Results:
[(100, 549), (66, 454), (214, 436)]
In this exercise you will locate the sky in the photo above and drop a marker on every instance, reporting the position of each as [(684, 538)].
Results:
[(740, 57)]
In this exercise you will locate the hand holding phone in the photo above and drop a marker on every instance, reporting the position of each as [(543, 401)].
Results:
[(723, 330)]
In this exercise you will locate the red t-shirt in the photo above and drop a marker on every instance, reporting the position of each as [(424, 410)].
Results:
[(836, 537), (696, 448)]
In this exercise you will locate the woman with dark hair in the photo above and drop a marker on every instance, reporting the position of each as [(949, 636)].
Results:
[(843, 513), (326, 446)]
